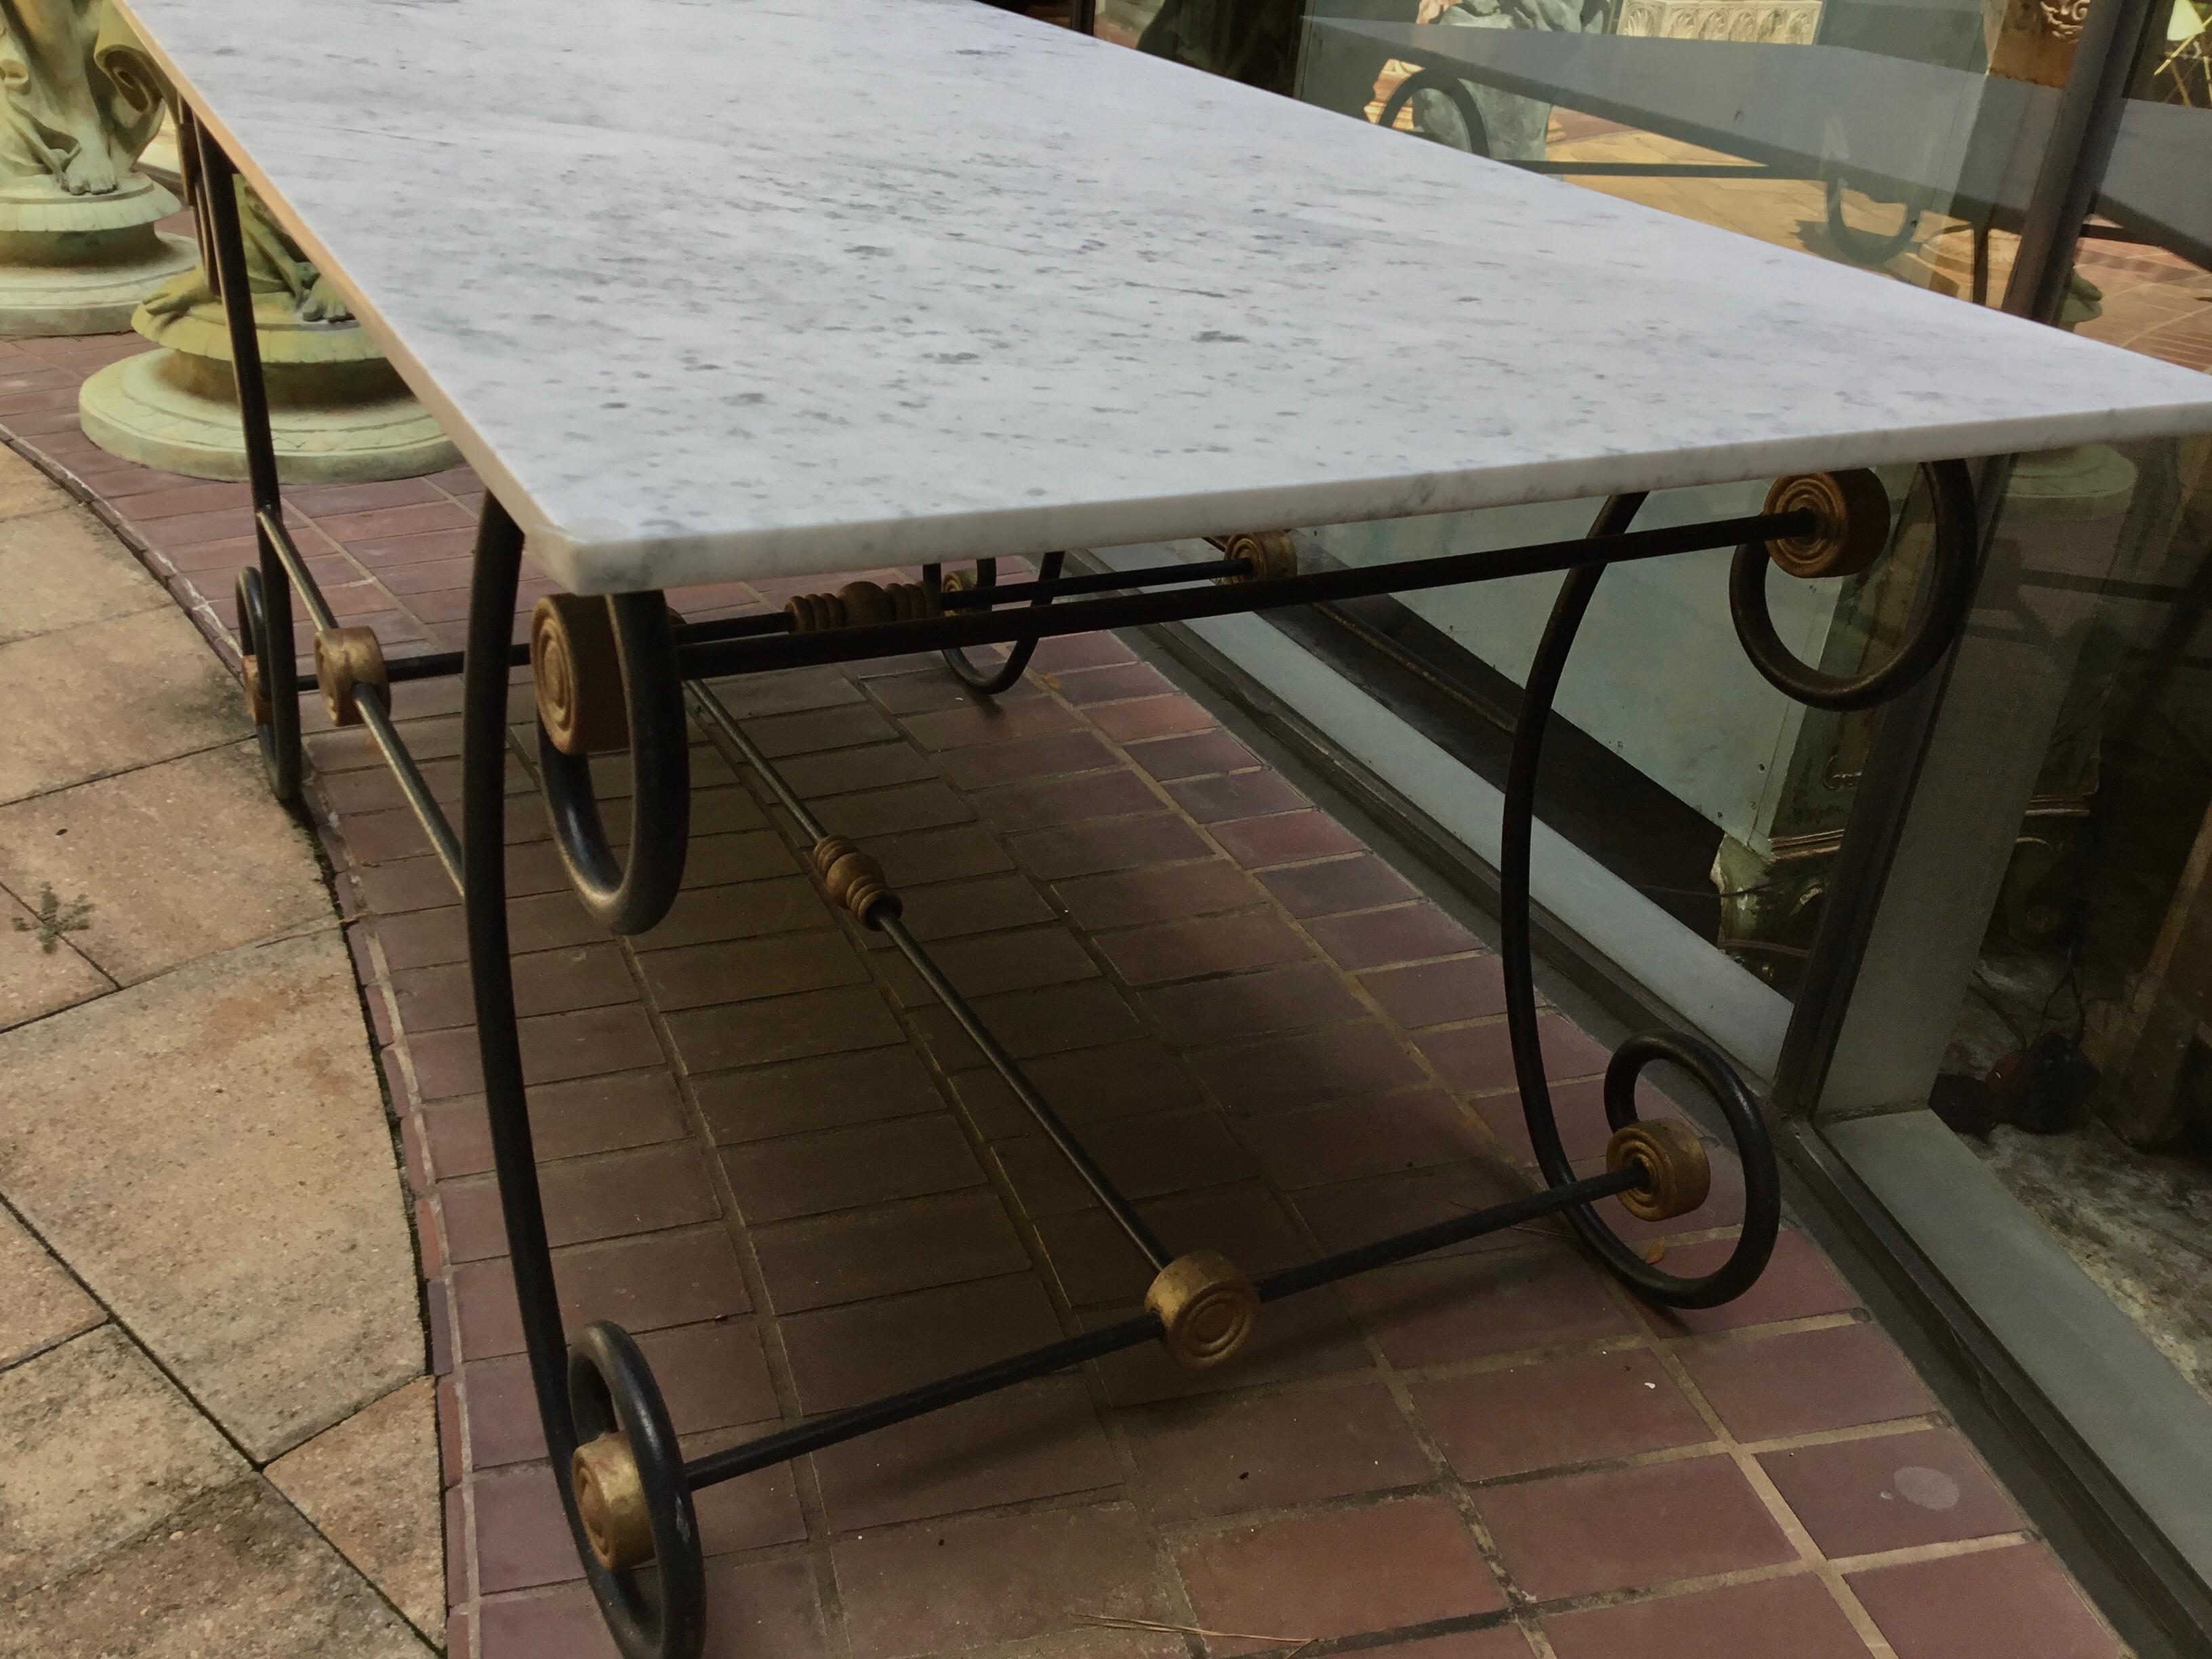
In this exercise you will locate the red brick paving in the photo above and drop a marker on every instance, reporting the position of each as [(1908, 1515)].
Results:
[(768, 1153)]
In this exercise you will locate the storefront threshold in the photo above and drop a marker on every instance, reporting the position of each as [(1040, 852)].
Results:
[(2134, 1436)]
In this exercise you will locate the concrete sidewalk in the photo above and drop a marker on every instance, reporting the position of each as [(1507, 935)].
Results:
[(215, 1432)]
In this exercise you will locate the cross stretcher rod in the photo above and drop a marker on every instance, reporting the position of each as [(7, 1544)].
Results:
[(884, 916), (728, 657), (370, 700), (786, 1444)]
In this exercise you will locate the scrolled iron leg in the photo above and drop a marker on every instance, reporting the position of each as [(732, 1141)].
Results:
[(606, 1430), (264, 592), (1858, 531), (992, 681), (1671, 1168), (606, 672)]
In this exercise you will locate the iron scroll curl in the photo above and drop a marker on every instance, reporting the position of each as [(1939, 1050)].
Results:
[(1939, 610), (631, 894)]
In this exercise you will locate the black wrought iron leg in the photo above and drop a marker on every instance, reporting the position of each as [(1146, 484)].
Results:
[(613, 1450), (991, 681), (265, 601), (1669, 1153)]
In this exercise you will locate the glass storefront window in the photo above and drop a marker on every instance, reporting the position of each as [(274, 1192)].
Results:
[(2040, 965)]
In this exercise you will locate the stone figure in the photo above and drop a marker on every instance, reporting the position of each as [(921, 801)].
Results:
[(274, 265), (81, 97), (1516, 127)]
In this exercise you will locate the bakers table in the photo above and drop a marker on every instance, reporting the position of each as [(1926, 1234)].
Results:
[(694, 319)]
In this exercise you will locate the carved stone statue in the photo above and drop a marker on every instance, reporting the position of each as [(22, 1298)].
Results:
[(337, 410), (79, 100), (273, 265)]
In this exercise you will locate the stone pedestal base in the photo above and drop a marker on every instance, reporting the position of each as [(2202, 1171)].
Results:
[(80, 264), (339, 412)]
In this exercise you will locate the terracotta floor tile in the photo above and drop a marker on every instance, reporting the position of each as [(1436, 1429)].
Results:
[(1491, 1642), (1856, 1497), (641, 1284), (1342, 1140), (555, 1048), (1309, 1066), (1346, 1213), (1050, 803), (1201, 945), (844, 771), (1798, 1281), (564, 1620), (1304, 1337), (947, 1239), (609, 1195), (1247, 1006), (756, 1608), (1996, 1604), (983, 721), (984, 1579), (881, 814), (1094, 1262), (1199, 755), (827, 1091), (1433, 1311), (1764, 1386), (783, 1027), (1112, 683), (1167, 1152), (840, 1169), (522, 1532), (1040, 1439), (1129, 897), (1092, 849), (746, 910), (1628, 1528), (711, 1377), (1359, 883), (847, 1355), (697, 976), (1793, 1616), (1053, 1020), (752, 1512), (817, 730), (1433, 993), (988, 904), (997, 962), (1125, 1079), (1344, 1572), (1151, 717), (1235, 795), (941, 855), (1209, 1457), (1478, 1058), (1056, 754), (1557, 1412), (1380, 938), (1285, 838)]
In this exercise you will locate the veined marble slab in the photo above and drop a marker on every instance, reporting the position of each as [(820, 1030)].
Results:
[(715, 288)]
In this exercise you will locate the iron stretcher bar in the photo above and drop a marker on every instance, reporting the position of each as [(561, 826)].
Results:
[(369, 700), (716, 660), (786, 1444), (884, 918)]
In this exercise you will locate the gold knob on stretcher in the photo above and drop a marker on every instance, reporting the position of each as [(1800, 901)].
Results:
[(1206, 1309)]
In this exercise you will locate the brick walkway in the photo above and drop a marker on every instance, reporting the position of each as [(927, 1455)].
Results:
[(767, 1153)]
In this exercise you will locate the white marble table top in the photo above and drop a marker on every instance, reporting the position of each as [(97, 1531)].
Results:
[(714, 288)]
